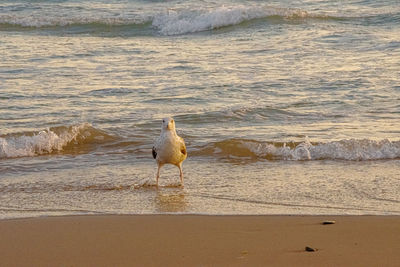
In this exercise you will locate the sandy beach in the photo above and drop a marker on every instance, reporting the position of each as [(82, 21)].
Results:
[(195, 240)]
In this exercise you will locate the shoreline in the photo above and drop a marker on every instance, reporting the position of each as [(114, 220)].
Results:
[(177, 214), (200, 240)]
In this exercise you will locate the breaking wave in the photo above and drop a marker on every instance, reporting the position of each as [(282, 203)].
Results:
[(351, 149), (51, 140), (83, 138), (169, 22), (187, 21)]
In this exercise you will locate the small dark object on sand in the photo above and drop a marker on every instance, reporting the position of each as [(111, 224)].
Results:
[(328, 222), (310, 249)]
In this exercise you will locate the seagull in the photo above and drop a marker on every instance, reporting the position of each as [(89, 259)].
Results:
[(169, 148)]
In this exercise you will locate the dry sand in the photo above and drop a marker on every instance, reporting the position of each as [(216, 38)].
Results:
[(190, 240)]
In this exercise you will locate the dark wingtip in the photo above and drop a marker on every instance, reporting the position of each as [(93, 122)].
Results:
[(183, 151), (153, 151)]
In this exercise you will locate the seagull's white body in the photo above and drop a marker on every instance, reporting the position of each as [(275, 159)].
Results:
[(169, 148)]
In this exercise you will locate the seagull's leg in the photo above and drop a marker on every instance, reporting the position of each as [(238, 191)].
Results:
[(158, 173), (181, 173)]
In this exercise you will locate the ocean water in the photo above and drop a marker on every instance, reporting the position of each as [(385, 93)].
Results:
[(286, 107)]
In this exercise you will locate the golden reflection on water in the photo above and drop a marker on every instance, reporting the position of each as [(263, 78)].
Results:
[(171, 201)]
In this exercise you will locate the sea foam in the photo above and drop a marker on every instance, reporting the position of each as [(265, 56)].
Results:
[(49, 141), (348, 149), (175, 22)]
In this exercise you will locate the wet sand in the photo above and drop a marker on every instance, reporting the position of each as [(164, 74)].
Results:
[(195, 240)]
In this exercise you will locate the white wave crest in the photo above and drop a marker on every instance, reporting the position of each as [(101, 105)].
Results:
[(175, 22), (43, 142), (352, 149)]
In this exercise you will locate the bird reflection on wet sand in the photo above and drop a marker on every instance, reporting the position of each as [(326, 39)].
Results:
[(171, 201)]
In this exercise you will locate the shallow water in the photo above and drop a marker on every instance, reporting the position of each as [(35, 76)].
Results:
[(286, 107)]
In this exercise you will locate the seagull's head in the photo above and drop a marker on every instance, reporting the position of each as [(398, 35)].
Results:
[(168, 124)]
